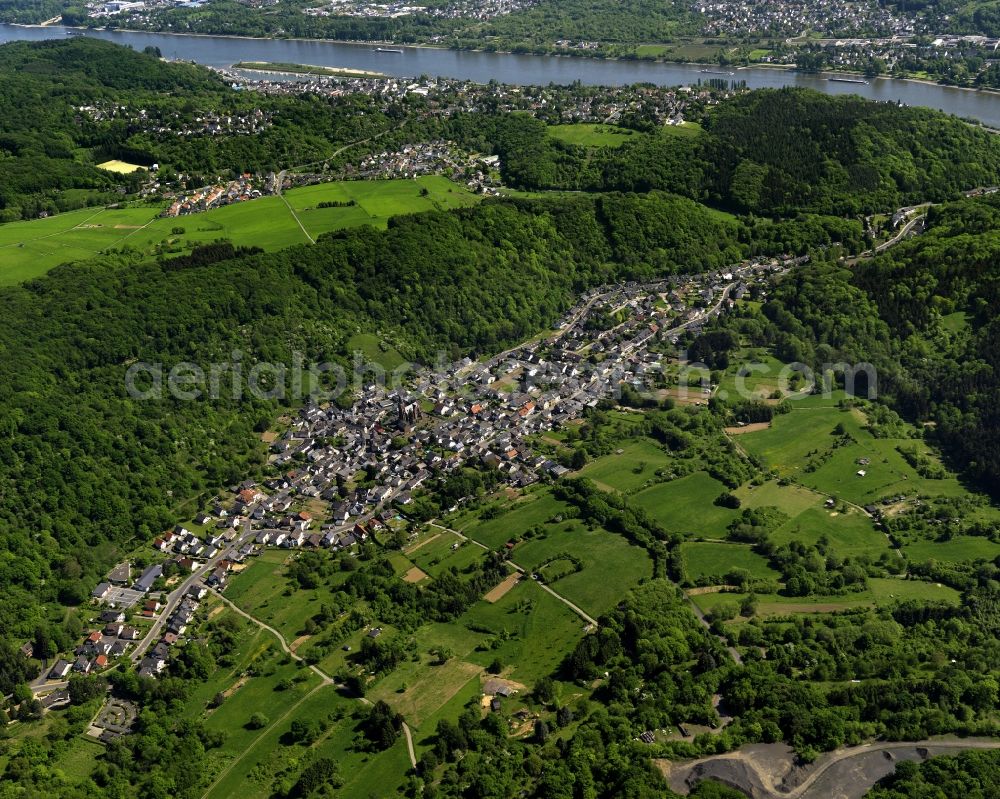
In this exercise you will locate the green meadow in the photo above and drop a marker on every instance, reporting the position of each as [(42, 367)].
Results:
[(260, 589), (881, 591), (610, 565), (955, 550), (271, 753), (806, 445), (29, 249), (530, 510), (591, 135), (627, 469), (713, 559), (686, 505), (527, 629)]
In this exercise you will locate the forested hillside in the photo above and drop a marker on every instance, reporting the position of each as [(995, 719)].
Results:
[(776, 153), (971, 774), (780, 152), (925, 314), (85, 468), (66, 106), (41, 130)]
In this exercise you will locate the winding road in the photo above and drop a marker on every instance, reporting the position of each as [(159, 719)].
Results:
[(755, 771)]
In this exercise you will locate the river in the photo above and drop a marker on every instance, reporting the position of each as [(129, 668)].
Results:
[(220, 51)]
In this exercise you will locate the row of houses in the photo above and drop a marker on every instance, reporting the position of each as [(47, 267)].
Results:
[(397, 440), (156, 659)]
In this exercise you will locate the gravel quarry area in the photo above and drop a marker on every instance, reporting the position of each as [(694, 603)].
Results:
[(770, 771)]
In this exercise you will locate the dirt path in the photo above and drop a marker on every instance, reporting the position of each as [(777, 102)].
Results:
[(499, 591), (409, 745), (575, 608), (733, 651), (415, 547), (257, 740), (327, 680)]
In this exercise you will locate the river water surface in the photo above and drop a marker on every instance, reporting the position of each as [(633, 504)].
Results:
[(221, 51)]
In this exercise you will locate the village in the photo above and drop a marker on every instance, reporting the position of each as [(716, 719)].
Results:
[(461, 9), (792, 17), (397, 441), (448, 97), (478, 173)]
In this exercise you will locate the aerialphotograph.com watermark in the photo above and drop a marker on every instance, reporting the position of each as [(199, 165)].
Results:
[(300, 380)]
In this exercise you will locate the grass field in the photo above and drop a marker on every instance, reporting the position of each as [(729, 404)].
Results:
[(536, 508), (375, 350), (590, 135), (77, 761), (686, 505), (629, 469), (527, 629), (260, 590), (757, 379), (445, 551), (611, 566), (802, 445), (252, 770), (29, 249), (880, 591), (960, 548), (714, 559)]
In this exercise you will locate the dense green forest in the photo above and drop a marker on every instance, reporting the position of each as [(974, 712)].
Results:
[(975, 775), (85, 468), (781, 151), (925, 313)]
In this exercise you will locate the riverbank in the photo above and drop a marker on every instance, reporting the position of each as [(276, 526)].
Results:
[(568, 55), (483, 66), (277, 68)]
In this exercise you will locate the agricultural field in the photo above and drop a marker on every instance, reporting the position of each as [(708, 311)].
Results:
[(29, 249), (629, 468), (591, 135), (686, 505), (881, 591), (956, 550), (530, 510), (120, 167), (610, 566), (712, 559), (260, 590)]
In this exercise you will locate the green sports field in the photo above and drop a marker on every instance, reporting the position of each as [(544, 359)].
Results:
[(29, 249)]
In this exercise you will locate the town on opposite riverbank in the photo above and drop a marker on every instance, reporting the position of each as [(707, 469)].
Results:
[(951, 45)]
